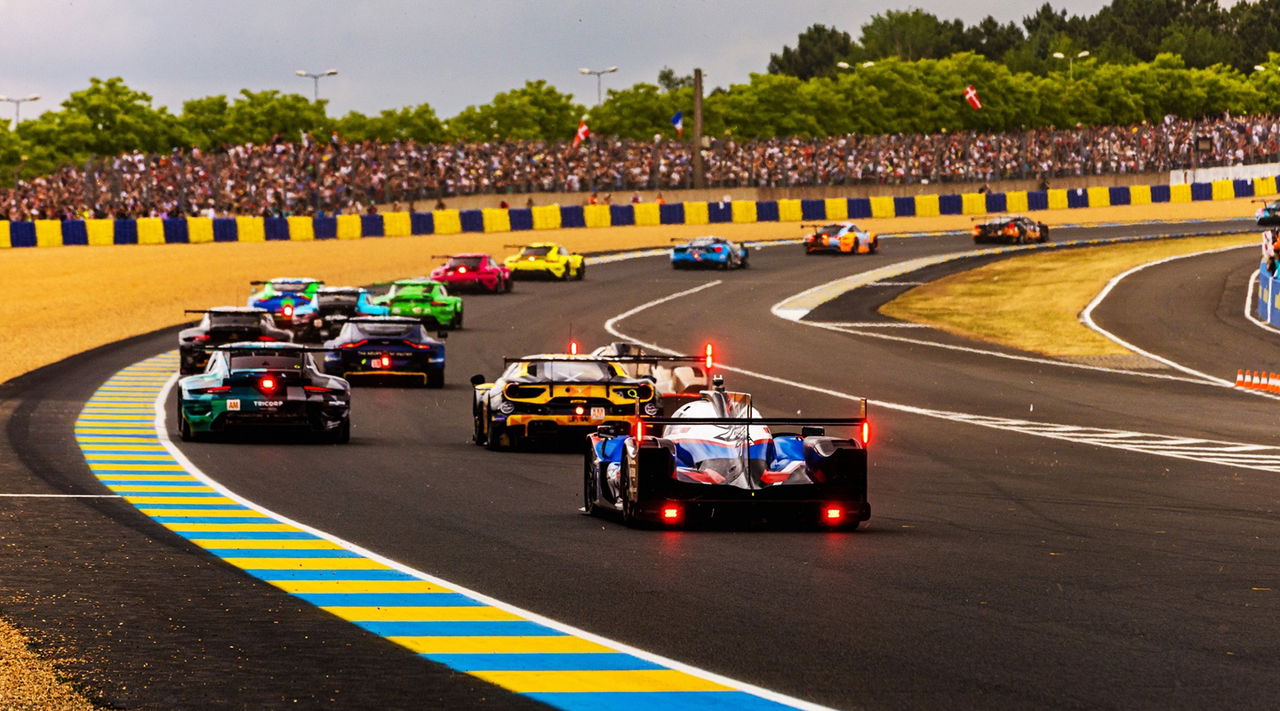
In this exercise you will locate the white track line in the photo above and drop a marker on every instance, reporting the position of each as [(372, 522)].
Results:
[(162, 433), (1220, 452)]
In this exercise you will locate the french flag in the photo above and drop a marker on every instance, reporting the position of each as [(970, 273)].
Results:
[(678, 122)]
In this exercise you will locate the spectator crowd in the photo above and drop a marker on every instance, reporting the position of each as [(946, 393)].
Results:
[(328, 177)]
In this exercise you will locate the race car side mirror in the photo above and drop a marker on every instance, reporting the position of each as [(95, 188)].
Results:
[(477, 379)]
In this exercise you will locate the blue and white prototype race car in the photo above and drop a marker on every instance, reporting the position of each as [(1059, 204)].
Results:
[(717, 457), (710, 253)]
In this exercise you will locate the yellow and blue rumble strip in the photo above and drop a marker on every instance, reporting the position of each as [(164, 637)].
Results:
[(122, 438)]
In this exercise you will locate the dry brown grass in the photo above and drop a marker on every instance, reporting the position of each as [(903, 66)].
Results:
[(1032, 303), (29, 683)]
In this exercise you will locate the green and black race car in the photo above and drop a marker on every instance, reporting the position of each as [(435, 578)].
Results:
[(424, 299), (251, 385)]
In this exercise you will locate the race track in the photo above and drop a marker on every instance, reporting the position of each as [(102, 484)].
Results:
[(1012, 559)]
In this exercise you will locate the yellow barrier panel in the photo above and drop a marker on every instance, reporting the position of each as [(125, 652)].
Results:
[(1224, 190), (1057, 199), (199, 230), (250, 229), (496, 219), (448, 222), (928, 206), (1016, 201), (102, 232), (1099, 196), (4, 235), (1180, 193), (744, 211), (882, 206), (547, 217), (789, 210), (647, 213), (837, 208), (973, 203), (1264, 186), (349, 227), (597, 216), (1139, 194), (301, 229), (48, 233), (396, 224), (150, 230), (695, 213)]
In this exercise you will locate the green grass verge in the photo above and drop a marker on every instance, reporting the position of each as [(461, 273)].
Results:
[(1033, 302)]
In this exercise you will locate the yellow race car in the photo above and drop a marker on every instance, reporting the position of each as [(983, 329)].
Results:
[(545, 259), (557, 395)]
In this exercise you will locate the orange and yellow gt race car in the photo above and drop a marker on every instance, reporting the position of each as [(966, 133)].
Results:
[(839, 238)]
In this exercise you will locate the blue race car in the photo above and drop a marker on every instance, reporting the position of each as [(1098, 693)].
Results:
[(709, 252), (386, 347), (718, 457), (336, 304), (252, 385), (292, 302)]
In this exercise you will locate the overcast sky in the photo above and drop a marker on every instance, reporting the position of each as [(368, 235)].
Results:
[(393, 53)]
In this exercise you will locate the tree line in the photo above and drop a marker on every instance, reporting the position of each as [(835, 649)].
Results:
[(904, 74)]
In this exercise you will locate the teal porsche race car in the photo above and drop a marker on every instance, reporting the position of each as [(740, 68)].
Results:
[(424, 299), (253, 385)]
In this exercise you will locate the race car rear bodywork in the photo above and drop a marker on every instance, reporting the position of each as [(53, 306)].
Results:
[(1010, 229), (546, 259), (385, 348), (697, 467), (424, 299), (262, 385), (222, 325), (475, 271), (709, 252), (840, 238)]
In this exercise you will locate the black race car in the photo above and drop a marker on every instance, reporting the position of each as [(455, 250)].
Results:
[(251, 385), (1268, 215), (221, 325), (336, 304), (718, 457), (386, 347), (543, 396), (1011, 229)]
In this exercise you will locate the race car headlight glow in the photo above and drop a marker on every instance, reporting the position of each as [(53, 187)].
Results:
[(506, 408)]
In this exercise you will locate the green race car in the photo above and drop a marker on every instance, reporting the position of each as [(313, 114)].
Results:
[(253, 385), (424, 299)]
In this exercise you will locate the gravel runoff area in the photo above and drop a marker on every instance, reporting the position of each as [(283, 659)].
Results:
[(57, 302), (1033, 302)]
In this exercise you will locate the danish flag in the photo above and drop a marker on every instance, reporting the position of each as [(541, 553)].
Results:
[(582, 134), (971, 96)]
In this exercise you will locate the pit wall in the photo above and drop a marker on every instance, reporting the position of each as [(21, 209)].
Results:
[(154, 230)]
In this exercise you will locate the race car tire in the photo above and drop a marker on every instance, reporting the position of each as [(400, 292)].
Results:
[(493, 442), (477, 428), (184, 428), (588, 486), (630, 516), (581, 273), (457, 321), (508, 284), (874, 246), (435, 378), (1044, 233), (341, 435)]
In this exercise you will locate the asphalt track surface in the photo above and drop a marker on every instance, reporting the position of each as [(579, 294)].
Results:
[(999, 570)]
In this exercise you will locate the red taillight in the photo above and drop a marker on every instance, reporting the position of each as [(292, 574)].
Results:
[(266, 338), (638, 432), (573, 348), (200, 338), (866, 433), (287, 311), (318, 389), (832, 514), (708, 360), (419, 346), (354, 344), (214, 389), (382, 362), (268, 384), (719, 248), (671, 514), (462, 270), (438, 303)]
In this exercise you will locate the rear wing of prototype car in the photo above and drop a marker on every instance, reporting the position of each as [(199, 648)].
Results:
[(647, 359), (861, 423)]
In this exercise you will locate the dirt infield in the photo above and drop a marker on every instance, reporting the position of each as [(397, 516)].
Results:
[(56, 302)]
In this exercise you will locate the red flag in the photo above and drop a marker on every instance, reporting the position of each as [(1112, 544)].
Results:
[(582, 134), (971, 96)]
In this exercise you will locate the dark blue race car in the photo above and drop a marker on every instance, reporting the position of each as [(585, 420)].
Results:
[(718, 457), (386, 348), (709, 253)]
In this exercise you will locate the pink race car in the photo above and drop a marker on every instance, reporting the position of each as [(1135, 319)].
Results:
[(473, 271)]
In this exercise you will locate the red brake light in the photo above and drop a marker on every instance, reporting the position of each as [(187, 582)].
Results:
[(354, 344), (573, 347), (671, 513), (200, 338), (437, 303), (419, 346), (214, 389), (266, 338), (287, 311), (832, 514), (709, 360), (268, 384), (318, 389), (638, 432), (719, 248), (866, 432), (382, 362), (462, 270)]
